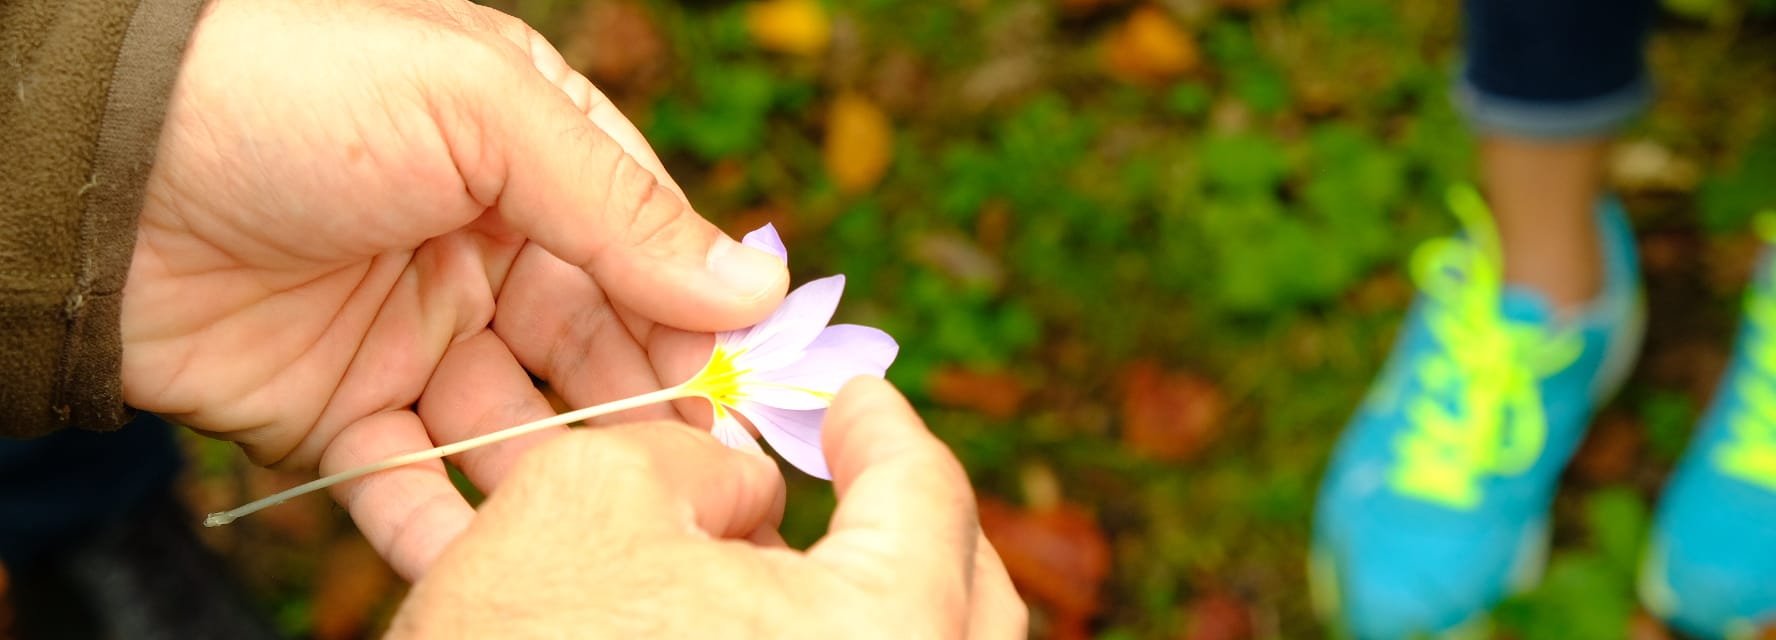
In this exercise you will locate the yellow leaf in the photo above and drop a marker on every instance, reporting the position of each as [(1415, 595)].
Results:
[(799, 27), (1150, 48), (859, 143)]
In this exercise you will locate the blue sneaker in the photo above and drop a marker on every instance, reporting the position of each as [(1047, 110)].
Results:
[(1435, 505), (1710, 567)]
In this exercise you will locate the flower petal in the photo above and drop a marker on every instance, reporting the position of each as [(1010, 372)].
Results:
[(795, 435), (765, 239), (730, 432), (840, 353), (779, 339)]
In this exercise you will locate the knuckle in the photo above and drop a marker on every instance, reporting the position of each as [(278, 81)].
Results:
[(641, 207)]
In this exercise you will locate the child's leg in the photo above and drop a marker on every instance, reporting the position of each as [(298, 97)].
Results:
[(1542, 194), (1545, 85), (1435, 505)]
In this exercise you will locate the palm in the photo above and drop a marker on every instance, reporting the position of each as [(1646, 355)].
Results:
[(333, 266)]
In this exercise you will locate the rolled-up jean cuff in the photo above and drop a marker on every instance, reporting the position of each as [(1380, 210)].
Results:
[(1564, 119)]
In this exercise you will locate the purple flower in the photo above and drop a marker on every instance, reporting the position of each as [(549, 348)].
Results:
[(782, 373)]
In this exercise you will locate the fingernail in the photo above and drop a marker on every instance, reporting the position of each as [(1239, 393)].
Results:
[(746, 271)]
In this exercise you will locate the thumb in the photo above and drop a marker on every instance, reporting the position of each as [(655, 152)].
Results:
[(569, 186), (652, 480)]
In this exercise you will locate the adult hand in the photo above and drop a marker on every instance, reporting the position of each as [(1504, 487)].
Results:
[(655, 530), (367, 220)]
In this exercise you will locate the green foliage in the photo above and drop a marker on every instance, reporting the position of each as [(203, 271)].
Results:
[(726, 116), (1669, 419), (1731, 197), (1587, 593)]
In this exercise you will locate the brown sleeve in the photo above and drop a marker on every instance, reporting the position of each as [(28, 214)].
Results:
[(83, 89)]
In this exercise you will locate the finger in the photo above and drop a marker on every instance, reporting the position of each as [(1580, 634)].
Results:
[(585, 96), (411, 513), (569, 186), (994, 608), (645, 480), (556, 320), (479, 388), (905, 507)]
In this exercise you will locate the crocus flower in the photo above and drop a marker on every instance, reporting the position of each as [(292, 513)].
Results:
[(782, 373)]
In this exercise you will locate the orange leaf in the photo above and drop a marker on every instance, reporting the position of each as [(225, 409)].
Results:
[(799, 27), (352, 582), (995, 394), (859, 143), (1646, 627), (1169, 416), (1150, 48), (1057, 557), (1219, 616)]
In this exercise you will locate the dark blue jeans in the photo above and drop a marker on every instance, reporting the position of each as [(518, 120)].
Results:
[(54, 489), (1554, 68)]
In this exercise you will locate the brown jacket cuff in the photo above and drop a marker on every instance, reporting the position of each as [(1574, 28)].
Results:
[(87, 85)]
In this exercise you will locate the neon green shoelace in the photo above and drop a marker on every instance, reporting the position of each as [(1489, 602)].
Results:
[(1482, 414), (1750, 453)]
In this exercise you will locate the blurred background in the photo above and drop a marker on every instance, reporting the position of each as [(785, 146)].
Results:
[(1143, 257)]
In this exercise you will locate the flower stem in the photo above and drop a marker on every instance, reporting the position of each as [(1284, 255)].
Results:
[(670, 393)]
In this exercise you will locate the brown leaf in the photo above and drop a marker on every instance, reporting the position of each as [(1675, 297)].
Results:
[(352, 583), (618, 46), (1643, 626), (996, 395), (859, 143), (1767, 633), (1057, 557), (1150, 48), (1169, 416), (1611, 452), (1218, 616), (799, 27)]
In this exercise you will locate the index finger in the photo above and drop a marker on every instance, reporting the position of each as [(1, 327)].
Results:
[(906, 513)]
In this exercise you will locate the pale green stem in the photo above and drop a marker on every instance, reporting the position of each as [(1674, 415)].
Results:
[(670, 393)]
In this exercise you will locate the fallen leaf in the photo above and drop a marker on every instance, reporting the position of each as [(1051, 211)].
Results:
[(1768, 632), (1218, 615), (352, 583), (634, 67), (1611, 452), (1150, 48), (799, 27), (1643, 626), (1647, 166), (1057, 557), (1169, 416), (996, 395), (859, 143)]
